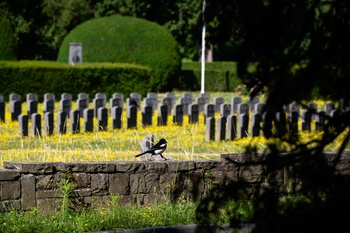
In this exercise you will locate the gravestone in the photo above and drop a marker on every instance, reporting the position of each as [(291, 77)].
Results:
[(119, 96), (178, 114), (146, 143), (252, 102), (312, 107), (243, 124), (82, 104), (23, 125), (220, 128), (201, 101), (218, 101), (206, 97), (267, 124), (172, 98), (320, 120), (117, 112), (116, 102), (66, 103), (48, 123), (2, 108), (163, 115), (168, 102), (75, 53), (328, 108), (61, 122), (255, 125), (84, 96), (225, 110), (259, 108), (185, 102), (36, 124), (88, 116), (32, 107), (293, 118), (74, 121), (234, 104), (147, 113), (242, 109), (102, 117), (135, 96), (150, 102), (154, 98), (15, 106), (210, 129), (209, 111), (99, 102), (49, 103), (131, 115), (231, 131), (32, 103), (193, 113), (281, 123), (294, 107), (306, 121)]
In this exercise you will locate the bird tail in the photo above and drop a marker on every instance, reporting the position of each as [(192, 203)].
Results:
[(141, 154)]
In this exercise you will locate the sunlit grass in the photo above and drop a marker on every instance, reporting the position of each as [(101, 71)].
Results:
[(186, 142)]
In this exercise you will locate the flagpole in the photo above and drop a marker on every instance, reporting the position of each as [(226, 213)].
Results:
[(203, 51)]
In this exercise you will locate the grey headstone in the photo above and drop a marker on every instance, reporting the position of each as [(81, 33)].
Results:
[(259, 108), (116, 102), (49, 96), (217, 102), (281, 123), (62, 122), (98, 103), (243, 124), (168, 102), (220, 128), (48, 123), (147, 113), (74, 121), (252, 102), (242, 109), (15, 97), (234, 104), (23, 125), (137, 97), (102, 117), (163, 115), (188, 96), (2, 108), (320, 120), (36, 124), (293, 119), (82, 104), (193, 113), (210, 129), (117, 117), (328, 108), (206, 96), (172, 97), (178, 114), (225, 110), (84, 96), (201, 101), (306, 121), (209, 111), (32, 107), (231, 131), (131, 115), (255, 125), (88, 116), (185, 102), (150, 102), (49, 105), (15, 109)]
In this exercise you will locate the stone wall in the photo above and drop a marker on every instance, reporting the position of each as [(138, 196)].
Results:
[(28, 185)]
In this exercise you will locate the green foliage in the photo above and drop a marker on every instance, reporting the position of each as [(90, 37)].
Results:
[(128, 40), (219, 76), (7, 41), (50, 77)]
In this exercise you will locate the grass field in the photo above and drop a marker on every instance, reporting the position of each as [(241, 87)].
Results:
[(186, 142)]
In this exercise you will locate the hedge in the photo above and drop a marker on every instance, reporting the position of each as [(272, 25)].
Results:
[(50, 77), (128, 40), (219, 76)]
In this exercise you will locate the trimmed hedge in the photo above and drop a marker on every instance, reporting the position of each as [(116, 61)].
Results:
[(128, 40), (219, 76), (7, 41), (50, 77)]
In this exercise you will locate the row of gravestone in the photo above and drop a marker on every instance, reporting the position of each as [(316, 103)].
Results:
[(232, 115)]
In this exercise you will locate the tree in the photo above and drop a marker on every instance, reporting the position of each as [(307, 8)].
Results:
[(299, 50)]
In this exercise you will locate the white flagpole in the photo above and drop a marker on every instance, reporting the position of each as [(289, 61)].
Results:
[(203, 51)]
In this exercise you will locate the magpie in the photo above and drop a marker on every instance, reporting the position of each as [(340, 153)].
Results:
[(157, 149)]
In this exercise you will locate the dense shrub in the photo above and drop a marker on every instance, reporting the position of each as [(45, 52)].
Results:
[(128, 40), (219, 76), (7, 41), (49, 77)]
